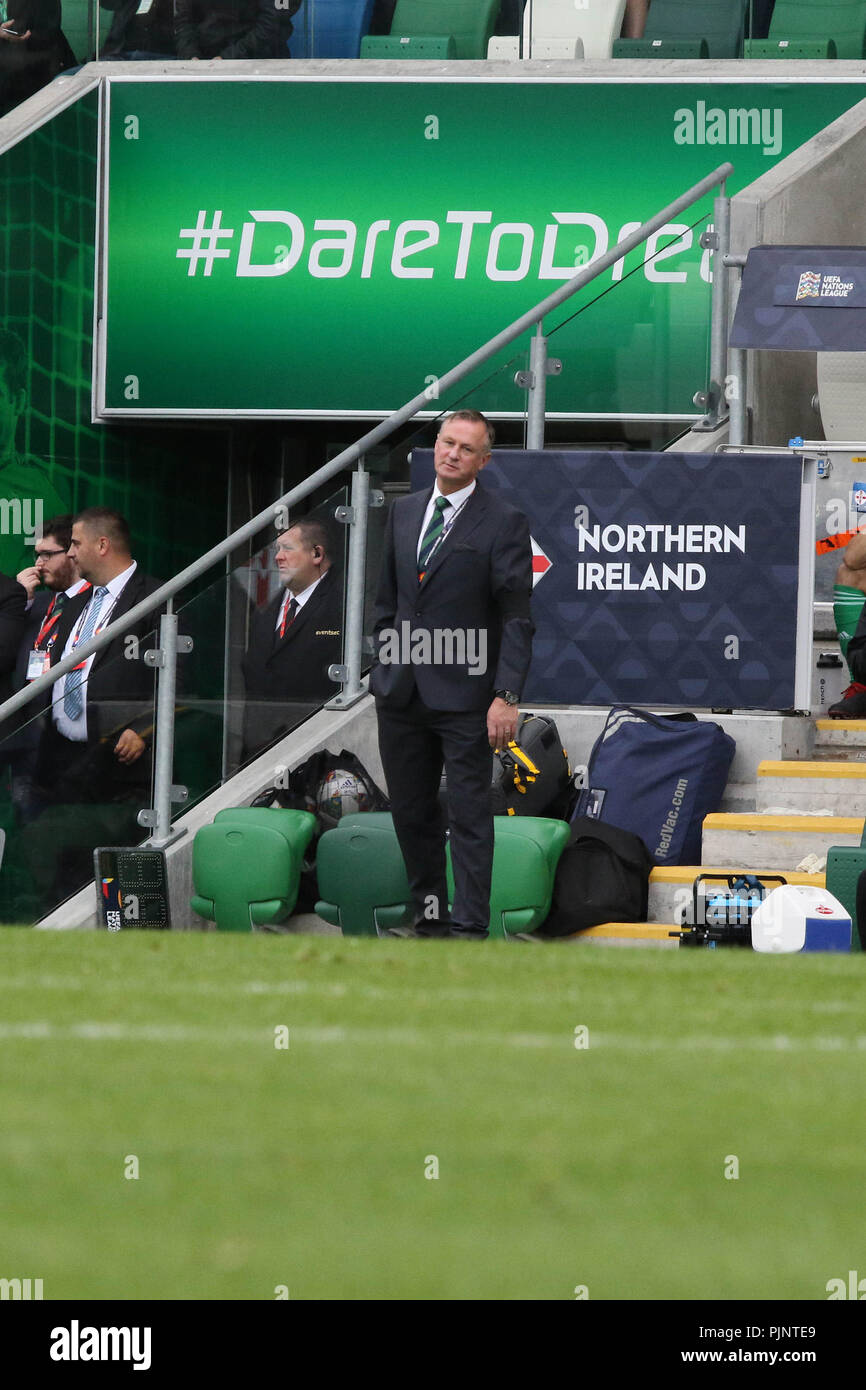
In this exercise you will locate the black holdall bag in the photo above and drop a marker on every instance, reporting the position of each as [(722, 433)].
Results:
[(531, 776), (602, 876)]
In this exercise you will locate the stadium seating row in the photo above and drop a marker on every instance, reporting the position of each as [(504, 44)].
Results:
[(247, 868), (441, 29)]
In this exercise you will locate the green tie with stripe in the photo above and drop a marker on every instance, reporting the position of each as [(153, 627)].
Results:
[(432, 535)]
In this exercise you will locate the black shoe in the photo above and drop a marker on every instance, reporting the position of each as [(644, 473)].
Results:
[(433, 928), (852, 705)]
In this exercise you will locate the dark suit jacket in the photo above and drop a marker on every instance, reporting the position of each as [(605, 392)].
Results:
[(291, 671), (119, 689), (131, 32), (120, 695), (226, 28), (13, 605), (477, 586), (21, 732)]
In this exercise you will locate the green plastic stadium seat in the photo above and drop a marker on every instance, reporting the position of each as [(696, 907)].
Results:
[(470, 21), (845, 863), (720, 22), (246, 866), (661, 48), (364, 888), (801, 21), (526, 851), (361, 875), (791, 49), (408, 46)]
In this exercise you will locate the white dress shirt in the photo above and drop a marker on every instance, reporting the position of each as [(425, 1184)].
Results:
[(449, 516), (76, 729)]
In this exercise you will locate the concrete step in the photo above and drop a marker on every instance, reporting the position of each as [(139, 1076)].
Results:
[(820, 787), (774, 842), (671, 889), (838, 738)]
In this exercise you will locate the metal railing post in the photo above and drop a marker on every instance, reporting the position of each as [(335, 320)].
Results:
[(535, 383), (713, 400), (158, 818), (356, 516), (738, 362)]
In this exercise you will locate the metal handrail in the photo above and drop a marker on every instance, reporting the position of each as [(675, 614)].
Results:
[(350, 456)]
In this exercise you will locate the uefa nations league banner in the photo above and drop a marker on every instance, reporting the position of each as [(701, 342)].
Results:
[(312, 247), (664, 579)]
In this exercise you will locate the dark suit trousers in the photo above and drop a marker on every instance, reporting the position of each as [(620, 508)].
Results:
[(415, 743)]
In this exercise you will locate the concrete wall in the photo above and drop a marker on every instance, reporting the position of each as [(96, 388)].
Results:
[(814, 197)]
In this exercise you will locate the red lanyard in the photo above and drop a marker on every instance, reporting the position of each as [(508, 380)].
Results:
[(50, 621)]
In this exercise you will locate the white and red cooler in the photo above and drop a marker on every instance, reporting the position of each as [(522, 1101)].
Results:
[(795, 918)]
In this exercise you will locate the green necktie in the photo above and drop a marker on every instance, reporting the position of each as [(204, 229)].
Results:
[(432, 535)]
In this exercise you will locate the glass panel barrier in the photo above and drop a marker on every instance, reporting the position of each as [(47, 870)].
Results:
[(61, 796), (653, 368), (66, 788), (257, 670)]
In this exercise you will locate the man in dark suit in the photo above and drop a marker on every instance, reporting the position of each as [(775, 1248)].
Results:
[(49, 584), (454, 638), (93, 767), (100, 724), (295, 639)]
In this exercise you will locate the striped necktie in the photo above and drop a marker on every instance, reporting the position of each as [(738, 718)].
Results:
[(432, 535), (73, 696)]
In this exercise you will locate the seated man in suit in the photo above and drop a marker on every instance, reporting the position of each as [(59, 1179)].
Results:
[(139, 29), (227, 28), (455, 638), (295, 639)]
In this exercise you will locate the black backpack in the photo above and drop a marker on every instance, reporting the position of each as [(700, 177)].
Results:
[(531, 776), (602, 876)]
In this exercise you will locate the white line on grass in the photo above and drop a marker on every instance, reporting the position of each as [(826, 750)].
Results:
[(91, 1031), (336, 989)]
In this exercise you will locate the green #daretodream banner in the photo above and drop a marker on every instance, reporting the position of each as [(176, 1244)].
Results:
[(310, 248)]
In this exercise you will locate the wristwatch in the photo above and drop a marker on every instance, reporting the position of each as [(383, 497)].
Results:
[(508, 696)]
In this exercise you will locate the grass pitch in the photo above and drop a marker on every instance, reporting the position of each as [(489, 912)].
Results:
[(610, 1165)]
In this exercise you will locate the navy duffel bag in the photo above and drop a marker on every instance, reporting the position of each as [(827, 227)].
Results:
[(658, 776)]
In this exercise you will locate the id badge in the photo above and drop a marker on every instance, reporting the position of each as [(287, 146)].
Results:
[(37, 664)]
